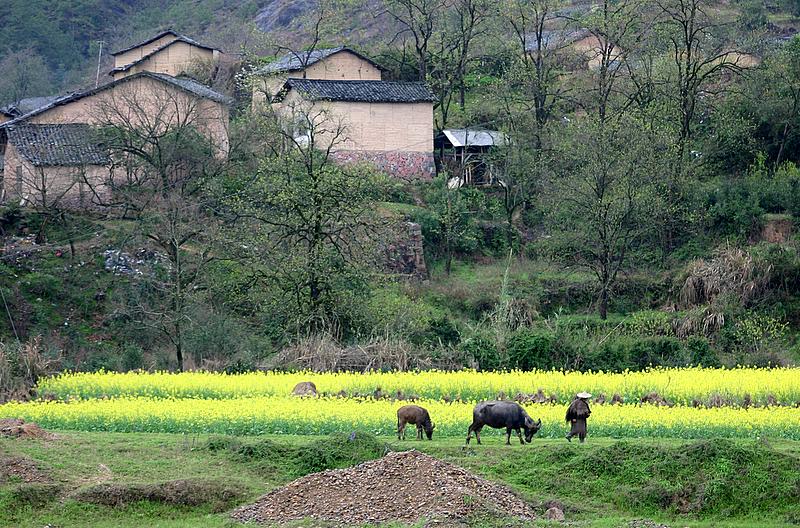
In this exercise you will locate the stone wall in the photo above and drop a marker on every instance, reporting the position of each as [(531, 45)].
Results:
[(404, 251), (408, 166)]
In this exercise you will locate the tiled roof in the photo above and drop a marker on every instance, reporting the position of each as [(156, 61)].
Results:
[(361, 91), (157, 50), (177, 35), (303, 59), (24, 106), (73, 144), (192, 86), (185, 84)]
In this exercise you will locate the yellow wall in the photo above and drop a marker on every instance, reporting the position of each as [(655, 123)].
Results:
[(172, 60), (65, 186), (401, 127), (342, 66), (145, 102), (123, 59), (339, 66)]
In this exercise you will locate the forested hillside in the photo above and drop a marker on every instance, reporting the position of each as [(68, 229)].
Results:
[(643, 210)]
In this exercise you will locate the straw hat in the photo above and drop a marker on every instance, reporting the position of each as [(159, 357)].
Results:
[(583, 395)]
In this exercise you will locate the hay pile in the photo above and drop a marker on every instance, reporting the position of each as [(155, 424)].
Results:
[(404, 487)]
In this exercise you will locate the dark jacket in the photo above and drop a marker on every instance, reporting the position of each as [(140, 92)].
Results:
[(578, 410)]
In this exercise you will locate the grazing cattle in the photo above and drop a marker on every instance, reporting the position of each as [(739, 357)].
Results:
[(416, 415), (499, 414)]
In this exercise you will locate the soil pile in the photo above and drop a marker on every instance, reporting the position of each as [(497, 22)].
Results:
[(403, 487), (16, 428), (21, 469)]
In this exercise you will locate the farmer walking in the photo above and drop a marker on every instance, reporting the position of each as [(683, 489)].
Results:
[(577, 413)]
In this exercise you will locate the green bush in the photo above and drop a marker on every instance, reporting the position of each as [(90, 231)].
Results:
[(483, 350), (530, 349), (442, 331), (132, 356), (43, 285), (657, 351), (641, 352), (701, 353), (390, 311), (611, 356)]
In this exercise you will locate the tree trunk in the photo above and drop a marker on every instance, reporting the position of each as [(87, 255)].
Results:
[(179, 356), (448, 264), (603, 308)]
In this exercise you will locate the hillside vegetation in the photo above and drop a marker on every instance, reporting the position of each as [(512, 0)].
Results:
[(639, 216)]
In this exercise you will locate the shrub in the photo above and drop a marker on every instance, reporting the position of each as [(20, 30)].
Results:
[(611, 356), (132, 356), (391, 312), (657, 351), (649, 323), (530, 349), (701, 353), (483, 350), (442, 331), (43, 285)]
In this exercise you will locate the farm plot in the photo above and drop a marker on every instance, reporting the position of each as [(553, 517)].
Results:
[(681, 386)]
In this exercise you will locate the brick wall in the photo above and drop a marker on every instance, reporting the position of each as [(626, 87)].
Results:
[(407, 166)]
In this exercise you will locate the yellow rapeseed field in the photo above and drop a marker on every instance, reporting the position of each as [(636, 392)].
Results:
[(680, 386), (259, 415)]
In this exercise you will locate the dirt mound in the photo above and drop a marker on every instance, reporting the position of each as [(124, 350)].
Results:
[(21, 469), (176, 492), (16, 428), (402, 487)]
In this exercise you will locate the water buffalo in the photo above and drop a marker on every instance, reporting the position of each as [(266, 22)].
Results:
[(499, 414), (414, 414)]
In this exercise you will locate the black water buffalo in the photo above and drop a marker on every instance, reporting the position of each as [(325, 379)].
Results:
[(499, 414), (416, 415)]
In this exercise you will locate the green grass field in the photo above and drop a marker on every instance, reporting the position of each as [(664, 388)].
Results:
[(604, 483)]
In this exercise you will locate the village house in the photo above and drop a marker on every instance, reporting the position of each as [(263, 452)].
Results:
[(54, 152), (331, 63), (167, 52), (388, 124), (578, 48)]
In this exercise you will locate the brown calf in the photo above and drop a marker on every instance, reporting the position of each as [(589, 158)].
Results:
[(416, 415)]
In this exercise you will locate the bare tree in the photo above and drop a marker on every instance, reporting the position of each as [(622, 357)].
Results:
[(420, 19), (171, 146), (51, 192), (25, 74), (698, 57), (619, 28), (534, 82), (471, 19)]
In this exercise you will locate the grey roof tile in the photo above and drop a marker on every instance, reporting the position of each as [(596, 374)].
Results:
[(25, 106), (190, 85), (75, 144), (185, 84), (303, 59), (361, 91), (162, 34), (130, 65)]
